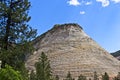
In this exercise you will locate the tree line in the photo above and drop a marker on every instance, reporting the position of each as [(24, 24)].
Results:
[(43, 72)]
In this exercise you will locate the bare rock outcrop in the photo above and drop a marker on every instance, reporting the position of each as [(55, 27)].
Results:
[(69, 48)]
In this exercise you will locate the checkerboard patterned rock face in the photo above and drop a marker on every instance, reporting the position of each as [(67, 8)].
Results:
[(69, 48)]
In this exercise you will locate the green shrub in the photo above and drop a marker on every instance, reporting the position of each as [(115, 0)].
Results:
[(8, 73)]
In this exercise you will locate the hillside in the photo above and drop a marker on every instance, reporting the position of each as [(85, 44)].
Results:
[(69, 48)]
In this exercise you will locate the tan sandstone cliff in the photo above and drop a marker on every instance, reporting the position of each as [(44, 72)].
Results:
[(69, 48)]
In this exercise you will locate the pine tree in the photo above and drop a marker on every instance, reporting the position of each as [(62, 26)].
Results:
[(81, 77), (32, 75), (69, 76), (56, 77), (95, 76), (105, 76), (89, 78), (43, 69), (15, 33), (117, 77)]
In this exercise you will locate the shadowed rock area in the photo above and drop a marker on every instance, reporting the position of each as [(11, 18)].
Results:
[(69, 48)]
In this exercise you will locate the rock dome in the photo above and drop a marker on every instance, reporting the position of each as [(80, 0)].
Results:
[(69, 48)]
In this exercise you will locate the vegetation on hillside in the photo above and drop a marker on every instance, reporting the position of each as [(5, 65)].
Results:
[(81, 77), (105, 76), (69, 77), (44, 72), (43, 69)]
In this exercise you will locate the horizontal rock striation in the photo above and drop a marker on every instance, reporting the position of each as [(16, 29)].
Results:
[(69, 48)]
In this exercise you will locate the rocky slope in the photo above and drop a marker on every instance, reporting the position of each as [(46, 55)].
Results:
[(69, 48)]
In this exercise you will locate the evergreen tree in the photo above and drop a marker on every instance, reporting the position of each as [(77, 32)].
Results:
[(43, 69), (32, 75), (95, 76), (15, 33), (81, 77), (105, 76), (69, 76), (117, 77), (56, 77), (89, 78)]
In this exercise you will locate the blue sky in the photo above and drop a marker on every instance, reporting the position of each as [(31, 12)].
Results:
[(100, 19)]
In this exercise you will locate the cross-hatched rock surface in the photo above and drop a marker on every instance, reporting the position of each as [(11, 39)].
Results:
[(69, 48)]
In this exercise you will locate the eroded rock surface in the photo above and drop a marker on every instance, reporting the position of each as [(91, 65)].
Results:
[(69, 48)]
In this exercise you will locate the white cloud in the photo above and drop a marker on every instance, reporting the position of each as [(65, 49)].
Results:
[(73, 2), (82, 12), (104, 2), (116, 1), (88, 3)]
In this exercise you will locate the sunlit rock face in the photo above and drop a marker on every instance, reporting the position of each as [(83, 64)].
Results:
[(69, 48)]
